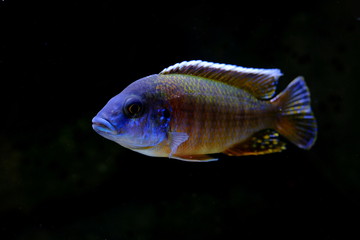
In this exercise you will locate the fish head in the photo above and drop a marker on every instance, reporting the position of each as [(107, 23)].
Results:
[(136, 118)]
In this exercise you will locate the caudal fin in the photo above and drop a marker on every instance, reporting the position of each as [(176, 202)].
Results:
[(296, 120)]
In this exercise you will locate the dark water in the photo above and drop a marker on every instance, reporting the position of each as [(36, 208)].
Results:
[(61, 62)]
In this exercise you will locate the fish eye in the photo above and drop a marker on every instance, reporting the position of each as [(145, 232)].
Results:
[(133, 108)]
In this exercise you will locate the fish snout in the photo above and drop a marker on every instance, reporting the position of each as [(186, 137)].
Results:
[(102, 125)]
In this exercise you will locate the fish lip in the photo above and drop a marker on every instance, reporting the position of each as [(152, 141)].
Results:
[(102, 125)]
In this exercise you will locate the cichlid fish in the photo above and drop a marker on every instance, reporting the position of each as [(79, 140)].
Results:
[(196, 108)]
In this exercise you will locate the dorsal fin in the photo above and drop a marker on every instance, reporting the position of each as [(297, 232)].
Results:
[(259, 82)]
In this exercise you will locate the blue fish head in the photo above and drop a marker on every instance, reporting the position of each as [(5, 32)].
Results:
[(136, 118)]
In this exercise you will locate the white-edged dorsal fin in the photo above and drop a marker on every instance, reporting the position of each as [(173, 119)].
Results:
[(259, 82)]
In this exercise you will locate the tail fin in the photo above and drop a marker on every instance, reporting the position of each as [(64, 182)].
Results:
[(296, 121)]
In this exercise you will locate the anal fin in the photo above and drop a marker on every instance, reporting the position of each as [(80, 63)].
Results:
[(262, 142), (194, 158)]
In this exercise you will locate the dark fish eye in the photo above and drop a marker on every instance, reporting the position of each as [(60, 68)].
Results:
[(133, 108)]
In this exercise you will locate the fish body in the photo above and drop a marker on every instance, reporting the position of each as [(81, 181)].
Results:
[(196, 108)]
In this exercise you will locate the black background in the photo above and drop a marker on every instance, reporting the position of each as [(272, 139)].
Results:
[(61, 61)]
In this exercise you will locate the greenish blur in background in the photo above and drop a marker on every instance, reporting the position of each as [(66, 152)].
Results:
[(60, 62)]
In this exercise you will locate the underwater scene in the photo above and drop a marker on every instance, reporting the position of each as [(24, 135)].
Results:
[(199, 120)]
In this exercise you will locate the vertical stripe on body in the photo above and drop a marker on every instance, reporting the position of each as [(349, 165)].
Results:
[(214, 115)]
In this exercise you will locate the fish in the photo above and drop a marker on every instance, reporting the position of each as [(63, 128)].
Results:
[(196, 108)]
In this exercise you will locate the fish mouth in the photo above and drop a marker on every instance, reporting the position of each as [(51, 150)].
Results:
[(102, 125)]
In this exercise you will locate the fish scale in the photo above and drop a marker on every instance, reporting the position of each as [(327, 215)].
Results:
[(213, 115)]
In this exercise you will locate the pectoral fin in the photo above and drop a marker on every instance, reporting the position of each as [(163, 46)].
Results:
[(194, 158), (176, 138), (263, 142)]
